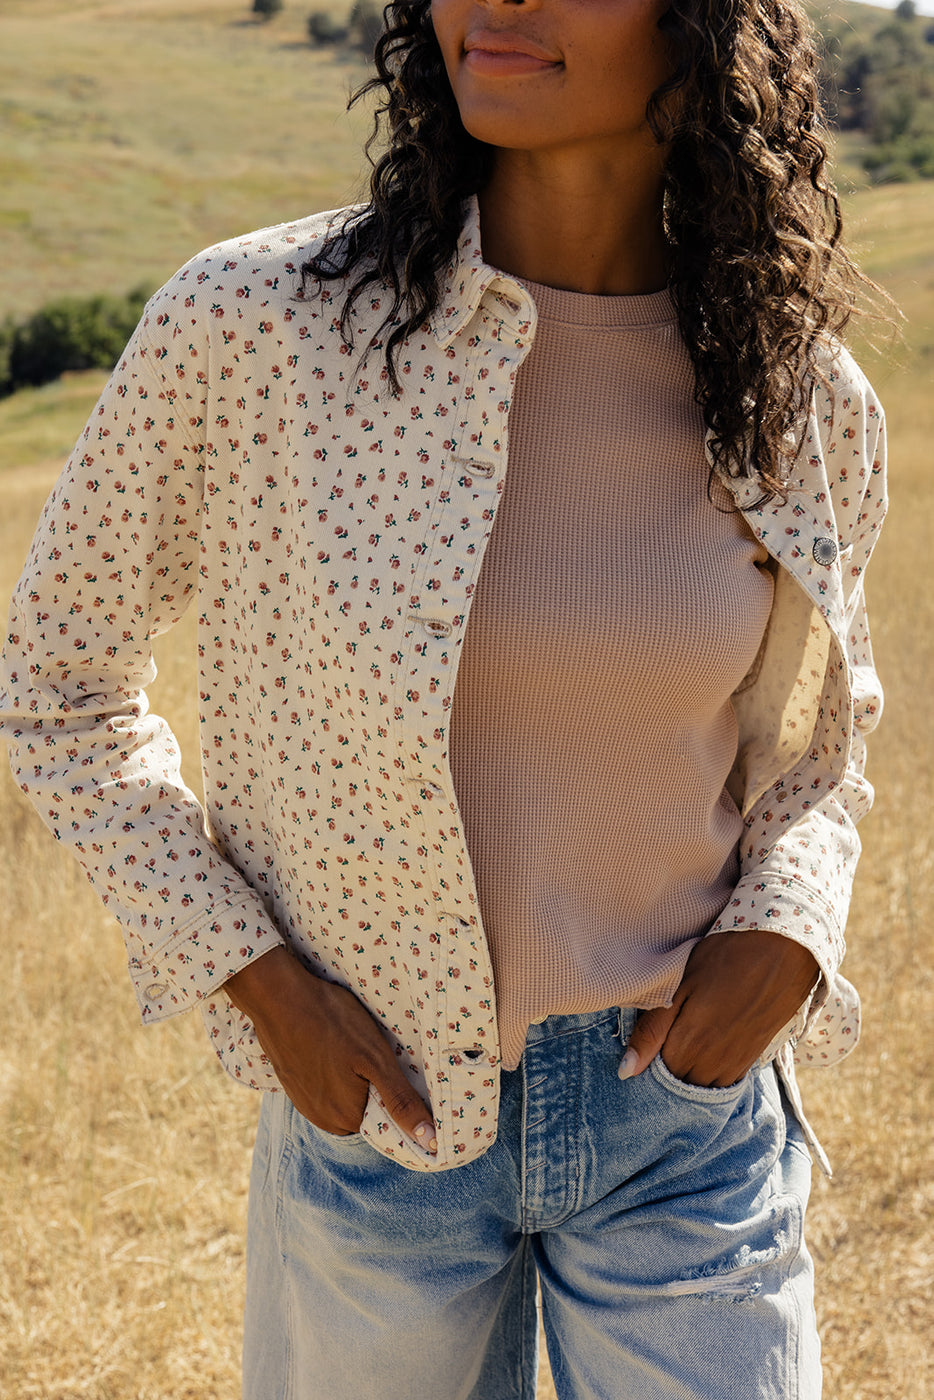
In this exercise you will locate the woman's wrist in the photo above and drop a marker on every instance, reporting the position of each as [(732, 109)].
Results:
[(262, 986)]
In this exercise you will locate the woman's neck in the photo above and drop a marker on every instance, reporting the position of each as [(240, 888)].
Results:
[(566, 225)]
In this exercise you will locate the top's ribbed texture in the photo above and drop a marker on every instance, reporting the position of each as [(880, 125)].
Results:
[(592, 731)]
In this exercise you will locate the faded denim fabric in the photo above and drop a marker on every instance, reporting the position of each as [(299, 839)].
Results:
[(664, 1222)]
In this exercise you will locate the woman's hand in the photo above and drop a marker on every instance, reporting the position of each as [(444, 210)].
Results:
[(326, 1048), (737, 992)]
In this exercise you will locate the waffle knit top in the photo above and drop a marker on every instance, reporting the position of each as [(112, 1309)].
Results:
[(619, 606)]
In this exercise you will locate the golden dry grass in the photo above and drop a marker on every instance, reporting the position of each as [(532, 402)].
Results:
[(124, 1154)]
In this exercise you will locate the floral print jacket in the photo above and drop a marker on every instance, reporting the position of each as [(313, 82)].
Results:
[(332, 534)]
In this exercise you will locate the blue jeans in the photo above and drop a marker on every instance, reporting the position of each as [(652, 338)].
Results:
[(662, 1221)]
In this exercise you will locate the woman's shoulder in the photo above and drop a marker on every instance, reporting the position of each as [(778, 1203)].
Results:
[(849, 454), (842, 391), (256, 270)]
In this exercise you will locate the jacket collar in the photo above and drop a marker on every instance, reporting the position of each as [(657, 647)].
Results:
[(469, 279)]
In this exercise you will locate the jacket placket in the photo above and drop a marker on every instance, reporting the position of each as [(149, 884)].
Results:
[(461, 1048)]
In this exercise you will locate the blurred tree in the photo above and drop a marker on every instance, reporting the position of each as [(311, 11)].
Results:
[(323, 28), (68, 334), (878, 84), (366, 25), (7, 337)]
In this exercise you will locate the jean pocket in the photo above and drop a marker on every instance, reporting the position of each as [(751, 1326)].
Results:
[(334, 1137), (309, 1135), (696, 1093)]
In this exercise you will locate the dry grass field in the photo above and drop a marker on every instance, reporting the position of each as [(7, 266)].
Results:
[(124, 1154)]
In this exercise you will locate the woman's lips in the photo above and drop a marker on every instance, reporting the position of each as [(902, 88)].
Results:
[(503, 55)]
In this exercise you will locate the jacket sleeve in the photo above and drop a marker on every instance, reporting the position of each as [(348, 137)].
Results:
[(800, 846), (114, 562)]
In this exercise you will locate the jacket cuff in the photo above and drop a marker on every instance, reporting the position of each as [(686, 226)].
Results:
[(200, 957), (785, 906)]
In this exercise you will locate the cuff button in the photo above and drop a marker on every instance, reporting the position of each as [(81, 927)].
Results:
[(824, 551)]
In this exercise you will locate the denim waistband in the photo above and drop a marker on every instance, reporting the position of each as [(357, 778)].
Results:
[(575, 1021)]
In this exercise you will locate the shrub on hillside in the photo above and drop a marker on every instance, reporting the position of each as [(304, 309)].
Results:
[(323, 28), (267, 8), (363, 27), (68, 334), (366, 25), (7, 334), (900, 161)]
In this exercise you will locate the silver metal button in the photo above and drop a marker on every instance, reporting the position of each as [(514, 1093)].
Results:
[(824, 551)]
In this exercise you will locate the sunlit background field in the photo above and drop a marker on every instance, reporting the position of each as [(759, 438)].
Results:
[(134, 133)]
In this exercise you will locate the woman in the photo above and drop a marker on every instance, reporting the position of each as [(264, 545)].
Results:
[(530, 956)]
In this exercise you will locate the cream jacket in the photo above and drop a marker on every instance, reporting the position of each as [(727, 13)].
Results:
[(331, 535)]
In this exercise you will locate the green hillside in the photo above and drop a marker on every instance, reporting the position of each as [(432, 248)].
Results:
[(134, 133)]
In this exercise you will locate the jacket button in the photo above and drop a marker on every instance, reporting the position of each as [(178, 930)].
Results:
[(437, 627), (458, 919), (472, 1053), (824, 551), (156, 991), (481, 468)]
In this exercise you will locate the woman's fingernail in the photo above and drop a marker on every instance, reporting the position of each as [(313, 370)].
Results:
[(628, 1065), (425, 1132)]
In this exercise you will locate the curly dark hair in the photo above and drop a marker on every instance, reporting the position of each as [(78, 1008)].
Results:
[(756, 265)]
